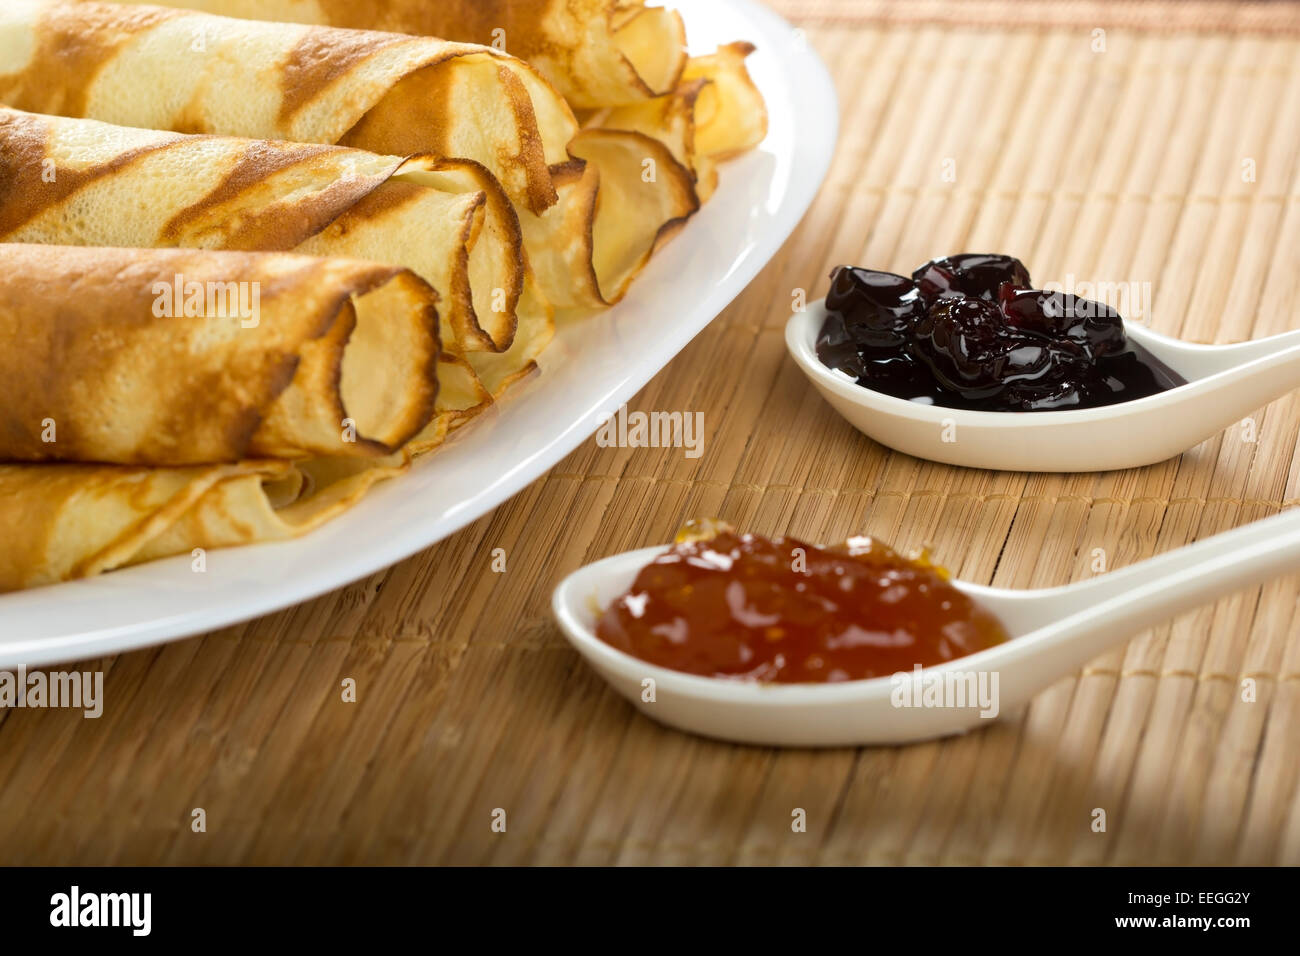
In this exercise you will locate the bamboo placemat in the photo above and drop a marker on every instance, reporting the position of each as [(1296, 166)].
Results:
[(1124, 166)]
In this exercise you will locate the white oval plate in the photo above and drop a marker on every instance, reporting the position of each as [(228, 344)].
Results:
[(593, 368)]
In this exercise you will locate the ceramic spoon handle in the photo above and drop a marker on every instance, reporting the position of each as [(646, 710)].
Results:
[(1078, 623), (1196, 574), (1262, 348), (1198, 361)]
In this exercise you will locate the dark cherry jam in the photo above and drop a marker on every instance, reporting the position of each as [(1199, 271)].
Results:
[(722, 604), (969, 331)]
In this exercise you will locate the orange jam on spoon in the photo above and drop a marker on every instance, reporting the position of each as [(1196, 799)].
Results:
[(722, 604)]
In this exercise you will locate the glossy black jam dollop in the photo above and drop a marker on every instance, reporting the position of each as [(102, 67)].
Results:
[(968, 331)]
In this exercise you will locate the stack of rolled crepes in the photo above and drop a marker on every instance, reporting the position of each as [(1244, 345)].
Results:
[(408, 212), (157, 401)]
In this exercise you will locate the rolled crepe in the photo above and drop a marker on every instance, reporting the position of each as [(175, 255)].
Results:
[(626, 197), (180, 357), (74, 521), (394, 94), (595, 52), (81, 182), (160, 68), (714, 114), (654, 161)]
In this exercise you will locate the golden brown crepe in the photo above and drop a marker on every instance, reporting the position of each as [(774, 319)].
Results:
[(730, 116), (497, 371), (615, 209), (714, 114), (180, 357), (595, 52), (81, 182), (66, 521), (160, 68)]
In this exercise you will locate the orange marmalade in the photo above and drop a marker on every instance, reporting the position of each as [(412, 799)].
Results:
[(722, 604)]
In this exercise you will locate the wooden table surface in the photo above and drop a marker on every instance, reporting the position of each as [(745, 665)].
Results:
[(1125, 164)]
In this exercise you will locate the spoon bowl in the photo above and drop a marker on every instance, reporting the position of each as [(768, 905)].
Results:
[(1054, 632), (1225, 384)]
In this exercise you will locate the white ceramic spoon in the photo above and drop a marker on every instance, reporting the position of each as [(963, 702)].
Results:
[(1225, 384), (1055, 631)]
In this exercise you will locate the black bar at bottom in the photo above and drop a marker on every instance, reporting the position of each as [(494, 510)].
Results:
[(333, 906)]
